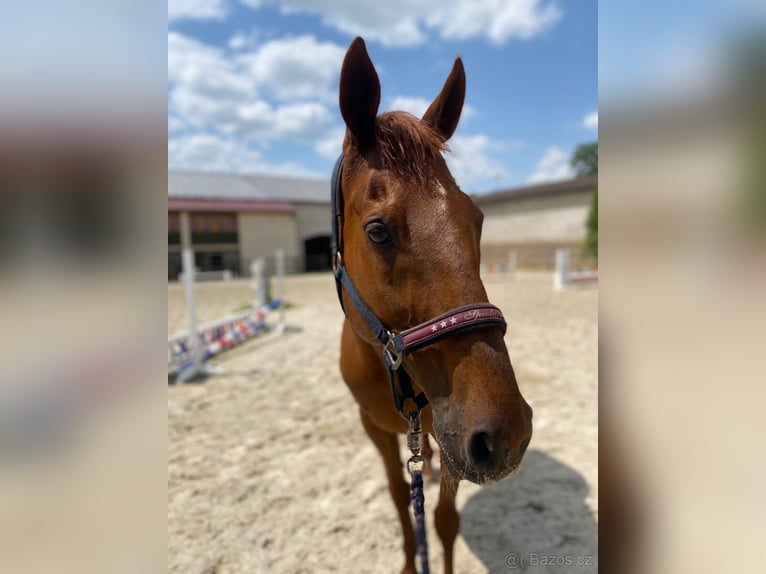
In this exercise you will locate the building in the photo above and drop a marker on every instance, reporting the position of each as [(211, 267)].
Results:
[(529, 223), (237, 218)]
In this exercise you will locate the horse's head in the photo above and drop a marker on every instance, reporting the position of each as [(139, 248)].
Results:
[(411, 246)]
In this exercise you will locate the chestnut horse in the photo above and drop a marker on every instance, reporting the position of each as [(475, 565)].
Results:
[(409, 239)]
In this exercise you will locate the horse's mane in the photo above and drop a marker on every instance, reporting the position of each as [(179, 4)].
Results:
[(407, 146)]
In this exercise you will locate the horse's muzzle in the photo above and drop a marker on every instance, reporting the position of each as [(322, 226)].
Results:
[(488, 452)]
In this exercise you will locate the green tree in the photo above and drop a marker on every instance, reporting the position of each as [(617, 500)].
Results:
[(585, 162), (585, 159), (591, 227)]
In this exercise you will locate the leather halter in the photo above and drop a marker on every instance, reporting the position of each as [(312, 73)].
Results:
[(397, 345)]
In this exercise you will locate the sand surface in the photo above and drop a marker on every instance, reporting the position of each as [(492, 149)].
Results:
[(269, 469)]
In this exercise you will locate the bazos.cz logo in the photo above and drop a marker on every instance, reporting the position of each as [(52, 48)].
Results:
[(516, 560)]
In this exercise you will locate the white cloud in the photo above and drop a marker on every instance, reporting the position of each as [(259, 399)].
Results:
[(498, 20), (553, 166), (391, 22), (203, 111), (590, 122), (416, 106), (175, 124), (471, 162), (238, 41), (216, 153), (255, 119), (207, 151), (266, 94), (296, 68), (196, 10), (331, 144), (299, 122), (407, 23), (205, 69), (245, 39)]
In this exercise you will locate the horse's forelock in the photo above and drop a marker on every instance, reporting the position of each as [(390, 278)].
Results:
[(407, 146)]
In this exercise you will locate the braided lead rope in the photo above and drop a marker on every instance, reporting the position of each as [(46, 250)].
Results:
[(415, 468)]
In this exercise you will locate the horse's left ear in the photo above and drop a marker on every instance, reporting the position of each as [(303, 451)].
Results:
[(443, 114)]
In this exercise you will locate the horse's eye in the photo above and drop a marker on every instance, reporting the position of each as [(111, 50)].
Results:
[(378, 233)]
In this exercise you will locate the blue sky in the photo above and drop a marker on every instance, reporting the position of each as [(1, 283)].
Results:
[(252, 84)]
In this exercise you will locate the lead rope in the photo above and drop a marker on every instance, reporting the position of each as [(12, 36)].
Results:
[(415, 468)]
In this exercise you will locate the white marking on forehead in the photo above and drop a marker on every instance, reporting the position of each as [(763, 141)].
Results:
[(441, 205)]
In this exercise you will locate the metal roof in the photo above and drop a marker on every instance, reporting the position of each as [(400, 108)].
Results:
[(184, 184), (544, 189), (231, 187), (182, 204)]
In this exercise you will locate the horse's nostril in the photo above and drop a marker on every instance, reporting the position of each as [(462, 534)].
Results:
[(480, 450), (524, 445)]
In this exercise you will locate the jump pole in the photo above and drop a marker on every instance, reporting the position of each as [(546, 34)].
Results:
[(197, 366), (562, 269), (258, 273), (281, 289), (563, 277)]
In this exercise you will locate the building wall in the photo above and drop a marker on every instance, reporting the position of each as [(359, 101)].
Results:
[(537, 219), (533, 227), (314, 223), (261, 234), (313, 219)]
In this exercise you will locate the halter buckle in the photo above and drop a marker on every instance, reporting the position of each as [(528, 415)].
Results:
[(392, 356), (337, 260)]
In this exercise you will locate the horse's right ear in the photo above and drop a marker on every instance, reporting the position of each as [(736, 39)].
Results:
[(359, 95)]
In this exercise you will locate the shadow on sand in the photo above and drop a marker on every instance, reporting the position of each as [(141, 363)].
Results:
[(536, 522)]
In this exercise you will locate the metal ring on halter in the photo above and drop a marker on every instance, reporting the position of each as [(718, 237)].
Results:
[(393, 357), (337, 260)]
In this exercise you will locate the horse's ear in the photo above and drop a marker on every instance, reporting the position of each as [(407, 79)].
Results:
[(443, 114), (359, 95)]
